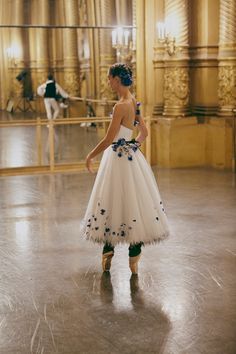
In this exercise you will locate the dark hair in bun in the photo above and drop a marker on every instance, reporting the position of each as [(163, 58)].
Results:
[(123, 72)]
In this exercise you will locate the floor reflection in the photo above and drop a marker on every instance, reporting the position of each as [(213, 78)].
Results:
[(106, 288), (140, 328), (135, 292)]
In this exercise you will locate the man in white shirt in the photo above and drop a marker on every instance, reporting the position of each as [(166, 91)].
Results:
[(49, 90)]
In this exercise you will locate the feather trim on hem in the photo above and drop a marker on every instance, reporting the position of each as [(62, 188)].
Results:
[(118, 242), (113, 240)]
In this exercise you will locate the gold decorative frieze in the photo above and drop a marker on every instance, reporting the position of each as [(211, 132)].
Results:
[(72, 82), (227, 57), (227, 83), (176, 90)]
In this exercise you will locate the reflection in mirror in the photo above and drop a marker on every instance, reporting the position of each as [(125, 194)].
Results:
[(23, 146), (74, 142)]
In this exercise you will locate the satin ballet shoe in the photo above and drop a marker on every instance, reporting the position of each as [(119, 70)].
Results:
[(133, 264), (106, 261)]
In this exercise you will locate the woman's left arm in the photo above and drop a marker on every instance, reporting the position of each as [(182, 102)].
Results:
[(109, 137)]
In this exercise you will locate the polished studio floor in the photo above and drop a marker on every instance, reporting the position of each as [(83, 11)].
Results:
[(55, 299)]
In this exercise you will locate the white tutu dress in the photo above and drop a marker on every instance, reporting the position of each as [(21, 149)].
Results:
[(125, 205)]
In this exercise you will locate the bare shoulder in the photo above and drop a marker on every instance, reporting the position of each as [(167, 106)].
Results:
[(119, 108), (119, 105)]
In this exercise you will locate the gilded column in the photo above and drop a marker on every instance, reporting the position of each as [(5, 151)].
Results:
[(16, 50), (227, 57), (84, 52), (140, 84), (39, 51), (159, 64), (107, 53), (56, 41), (133, 47), (176, 76), (92, 44), (71, 61)]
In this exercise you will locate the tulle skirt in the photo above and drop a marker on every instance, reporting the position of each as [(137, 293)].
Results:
[(125, 205)]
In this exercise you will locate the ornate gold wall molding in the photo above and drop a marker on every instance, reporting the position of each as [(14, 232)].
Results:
[(227, 57), (72, 80), (204, 56), (176, 91), (227, 82)]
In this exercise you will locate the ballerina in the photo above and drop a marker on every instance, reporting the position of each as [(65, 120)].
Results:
[(125, 205)]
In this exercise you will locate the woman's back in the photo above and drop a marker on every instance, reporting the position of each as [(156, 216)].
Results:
[(128, 110)]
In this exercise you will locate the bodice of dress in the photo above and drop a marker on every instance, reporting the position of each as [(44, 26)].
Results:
[(124, 133)]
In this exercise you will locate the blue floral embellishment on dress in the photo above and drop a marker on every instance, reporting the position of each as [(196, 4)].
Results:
[(136, 122), (123, 147)]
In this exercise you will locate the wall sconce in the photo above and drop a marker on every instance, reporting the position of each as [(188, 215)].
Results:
[(166, 38), (122, 44)]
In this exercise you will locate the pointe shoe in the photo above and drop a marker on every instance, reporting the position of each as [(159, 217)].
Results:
[(106, 261), (133, 264)]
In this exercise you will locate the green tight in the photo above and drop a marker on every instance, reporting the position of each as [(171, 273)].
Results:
[(134, 249)]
